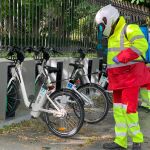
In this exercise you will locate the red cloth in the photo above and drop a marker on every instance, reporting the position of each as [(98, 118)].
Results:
[(127, 55), (127, 96), (147, 86), (128, 76)]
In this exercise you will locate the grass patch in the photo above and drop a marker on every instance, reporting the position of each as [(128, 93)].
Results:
[(91, 140), (3, 54), (24, 125)]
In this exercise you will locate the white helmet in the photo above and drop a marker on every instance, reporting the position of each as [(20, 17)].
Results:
[(107, 16)]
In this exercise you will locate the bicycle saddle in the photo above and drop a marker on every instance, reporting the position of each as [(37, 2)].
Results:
[(52, 69)]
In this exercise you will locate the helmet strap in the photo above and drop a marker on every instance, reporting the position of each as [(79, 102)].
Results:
[(114, 26)]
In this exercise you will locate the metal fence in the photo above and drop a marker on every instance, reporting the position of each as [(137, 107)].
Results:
[(64, 24), (132, 12), (52, 23)]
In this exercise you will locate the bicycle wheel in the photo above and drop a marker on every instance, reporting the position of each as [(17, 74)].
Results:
[(110, 97), (97, 109), (70, 124), (109, 94), (13, 100)]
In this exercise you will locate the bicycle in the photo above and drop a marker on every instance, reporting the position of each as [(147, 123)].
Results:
[(94, 97), (58, 107), (103, 81)]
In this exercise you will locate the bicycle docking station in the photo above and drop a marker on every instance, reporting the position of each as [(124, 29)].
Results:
[(90, 69), (94, 70), (3, 88), (59, 75), (6, 69), (56, 78), (29, 72)]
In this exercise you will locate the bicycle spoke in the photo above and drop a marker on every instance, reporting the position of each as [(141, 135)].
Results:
[(70, 123), (96, 104), (12, 99)]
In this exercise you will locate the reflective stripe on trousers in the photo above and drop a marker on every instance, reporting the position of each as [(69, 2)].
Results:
[(126, 123), (145, 97)]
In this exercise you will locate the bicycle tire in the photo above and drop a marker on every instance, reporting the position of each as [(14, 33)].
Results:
[(90, 110), (75, 102), (13, 100), (109, 94), (110, 97)]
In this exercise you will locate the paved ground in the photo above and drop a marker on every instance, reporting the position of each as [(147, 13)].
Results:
[(90, 137)]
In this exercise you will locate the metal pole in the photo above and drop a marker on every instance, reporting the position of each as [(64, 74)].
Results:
[(29, 19), (1, 23), (32, 19), (5, 24), (36, 25), (9, 35), (21, 25), (48, 10), (17, 30), (13, 24)]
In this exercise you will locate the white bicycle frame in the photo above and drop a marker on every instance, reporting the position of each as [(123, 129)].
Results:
[(43, 95), (103, 82), (86, 99), (82, 73)]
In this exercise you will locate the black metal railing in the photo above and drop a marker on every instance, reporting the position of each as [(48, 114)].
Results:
[(63, 24)]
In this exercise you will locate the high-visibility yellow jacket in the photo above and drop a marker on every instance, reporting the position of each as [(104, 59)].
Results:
[(127, 49)]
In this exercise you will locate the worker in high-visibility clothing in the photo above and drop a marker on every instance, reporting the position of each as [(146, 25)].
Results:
[(126, 73)]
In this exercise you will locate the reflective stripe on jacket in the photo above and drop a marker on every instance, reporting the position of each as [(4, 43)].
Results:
[(130, 73), (118, 43)]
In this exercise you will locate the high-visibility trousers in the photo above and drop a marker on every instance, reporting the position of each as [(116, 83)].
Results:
[(145, 93), (145, 96), (125, 105)]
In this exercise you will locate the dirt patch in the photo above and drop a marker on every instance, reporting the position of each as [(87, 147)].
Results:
[(34, 135)]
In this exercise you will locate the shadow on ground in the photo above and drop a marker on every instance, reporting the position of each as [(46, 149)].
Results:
[(33, 135)]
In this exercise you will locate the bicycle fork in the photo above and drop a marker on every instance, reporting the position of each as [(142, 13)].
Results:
[(85, 98), (37, 106), (42, 97)]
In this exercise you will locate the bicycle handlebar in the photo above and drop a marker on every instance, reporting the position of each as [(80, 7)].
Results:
[(55, 51), (46, 52), (19, 51)]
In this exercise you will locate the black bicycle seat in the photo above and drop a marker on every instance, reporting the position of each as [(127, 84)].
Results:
[(76, 65), (52, 69)]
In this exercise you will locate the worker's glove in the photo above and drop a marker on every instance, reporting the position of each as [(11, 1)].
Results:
[(115, 59)]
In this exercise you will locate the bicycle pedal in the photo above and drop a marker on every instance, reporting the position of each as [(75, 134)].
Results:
[(31, 98)]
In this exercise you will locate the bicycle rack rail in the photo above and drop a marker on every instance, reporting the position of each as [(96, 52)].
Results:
[(29, 77), (29, 74)]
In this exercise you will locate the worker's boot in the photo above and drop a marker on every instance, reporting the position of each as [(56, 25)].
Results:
[(112, 146), (136, 146)]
